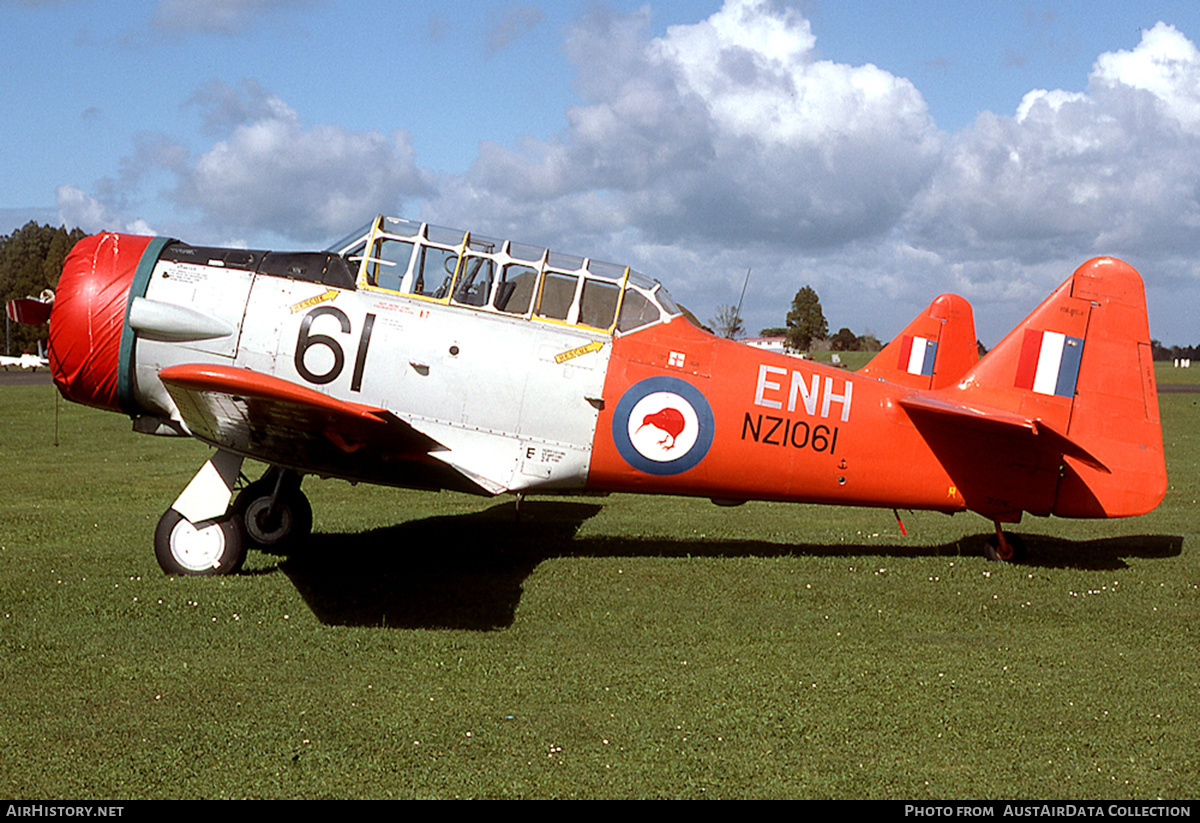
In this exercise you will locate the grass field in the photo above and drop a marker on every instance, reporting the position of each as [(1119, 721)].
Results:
[(425, 645), (1167, 374)]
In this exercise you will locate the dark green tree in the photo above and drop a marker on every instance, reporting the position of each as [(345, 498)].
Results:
[(869, 342), (806, 321), (845, 340)]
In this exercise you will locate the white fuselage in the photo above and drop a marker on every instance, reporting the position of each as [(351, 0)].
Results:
[(514, 401)]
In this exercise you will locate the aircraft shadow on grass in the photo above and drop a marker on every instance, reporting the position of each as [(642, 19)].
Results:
[(468, 571)]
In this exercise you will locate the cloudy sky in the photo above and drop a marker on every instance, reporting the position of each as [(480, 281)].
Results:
[(883, 152)]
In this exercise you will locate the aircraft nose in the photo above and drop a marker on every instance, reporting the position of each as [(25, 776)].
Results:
[(87, 320)]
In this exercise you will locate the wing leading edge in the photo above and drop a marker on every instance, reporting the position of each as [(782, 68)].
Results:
[(278, 422)]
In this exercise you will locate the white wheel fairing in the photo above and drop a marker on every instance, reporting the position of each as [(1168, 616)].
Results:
[(663, 426), (216, 548), (197, 550)]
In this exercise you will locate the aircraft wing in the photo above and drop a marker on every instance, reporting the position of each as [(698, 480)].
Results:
[(276, 421)]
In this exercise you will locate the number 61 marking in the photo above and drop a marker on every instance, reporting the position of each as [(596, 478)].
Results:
[(306, 341)]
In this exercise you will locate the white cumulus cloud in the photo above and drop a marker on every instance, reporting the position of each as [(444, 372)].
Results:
[(1166, 64), (730, 129), (78, 209), (309, 183), (1115, 170), (733, 143)]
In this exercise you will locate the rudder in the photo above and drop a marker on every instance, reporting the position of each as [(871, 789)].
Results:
[(1115, 414), (1080, 365)]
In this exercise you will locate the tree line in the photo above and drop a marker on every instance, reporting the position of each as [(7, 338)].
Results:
[(1161, 352), (31, 259), (806, 329)]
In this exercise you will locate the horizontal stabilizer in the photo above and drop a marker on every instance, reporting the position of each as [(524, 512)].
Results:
[(997, 420)]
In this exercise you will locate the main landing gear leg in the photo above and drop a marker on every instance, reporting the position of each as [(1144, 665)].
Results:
[(202, 534), (1004, 548), (198, 534), (274, 510)]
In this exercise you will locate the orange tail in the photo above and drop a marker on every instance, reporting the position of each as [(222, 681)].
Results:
[(933, 351), (1115, 413), (1071, 393)]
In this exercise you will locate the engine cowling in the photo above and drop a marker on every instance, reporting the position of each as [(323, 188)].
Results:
[(91, 346)]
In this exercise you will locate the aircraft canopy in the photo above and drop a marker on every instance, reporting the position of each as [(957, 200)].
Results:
[(460, 268)]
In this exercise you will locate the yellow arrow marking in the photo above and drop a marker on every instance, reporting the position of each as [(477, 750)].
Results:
[(595, 345), (312, 301)]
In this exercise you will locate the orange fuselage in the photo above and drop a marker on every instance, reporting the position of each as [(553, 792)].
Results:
[(782, 428)]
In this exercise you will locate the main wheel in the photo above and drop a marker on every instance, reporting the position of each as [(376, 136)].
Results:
[(270, 530), (183, 549), (1009, 550)]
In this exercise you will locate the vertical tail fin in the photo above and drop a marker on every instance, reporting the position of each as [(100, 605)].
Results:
[(934, 350), (1080, 366)]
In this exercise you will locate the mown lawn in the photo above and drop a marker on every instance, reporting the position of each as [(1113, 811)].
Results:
[(426, 645)]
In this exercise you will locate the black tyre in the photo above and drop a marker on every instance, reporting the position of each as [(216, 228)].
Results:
[(273, 531), (216, 548), (993, 550)]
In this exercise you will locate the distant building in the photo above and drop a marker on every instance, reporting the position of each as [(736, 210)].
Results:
[(775, 344)]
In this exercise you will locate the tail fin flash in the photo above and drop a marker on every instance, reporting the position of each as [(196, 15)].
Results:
[(933, 351), (1079, 366), (1115, 414)]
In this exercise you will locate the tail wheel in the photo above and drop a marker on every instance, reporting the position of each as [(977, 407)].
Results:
[(182, 548), (1004, 548), (270, 528)]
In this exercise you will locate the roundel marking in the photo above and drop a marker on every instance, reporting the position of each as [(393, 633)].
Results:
[(663, 426)]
